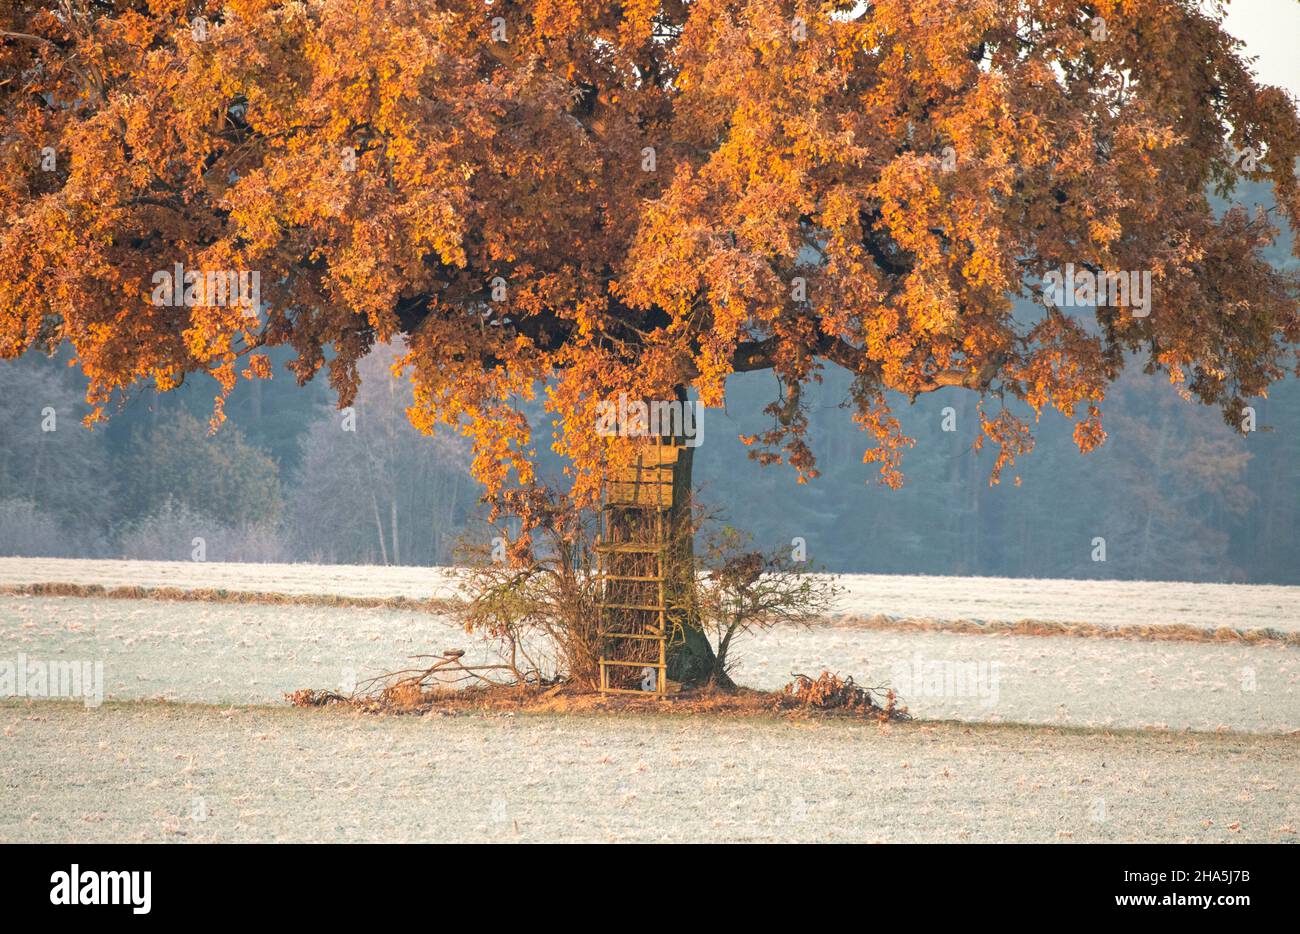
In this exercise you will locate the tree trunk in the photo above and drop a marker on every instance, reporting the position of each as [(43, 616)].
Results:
[(392, 513), (691, 659)]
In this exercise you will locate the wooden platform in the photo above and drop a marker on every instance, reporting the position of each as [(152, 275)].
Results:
[(647, 482)]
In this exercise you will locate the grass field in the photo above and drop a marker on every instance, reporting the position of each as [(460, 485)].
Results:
[(146, 770), (987, 599), (1079, 739)]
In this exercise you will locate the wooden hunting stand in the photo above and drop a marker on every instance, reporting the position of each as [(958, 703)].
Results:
[(632, 557)]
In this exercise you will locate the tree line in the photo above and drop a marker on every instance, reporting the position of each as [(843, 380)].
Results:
[(1174, 494), (286, 478)]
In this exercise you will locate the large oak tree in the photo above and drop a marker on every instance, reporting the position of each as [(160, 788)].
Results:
[(645, 198)]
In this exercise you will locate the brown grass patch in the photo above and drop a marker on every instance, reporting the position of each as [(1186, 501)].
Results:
[(1172, 632), (221, 595), (832, 697)]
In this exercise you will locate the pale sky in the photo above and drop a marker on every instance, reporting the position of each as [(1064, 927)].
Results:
[(1271, 31)]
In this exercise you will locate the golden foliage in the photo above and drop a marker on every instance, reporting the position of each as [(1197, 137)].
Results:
[(386, 164)]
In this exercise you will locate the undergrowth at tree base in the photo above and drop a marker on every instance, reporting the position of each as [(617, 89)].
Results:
[(826, 695), (831, 692)]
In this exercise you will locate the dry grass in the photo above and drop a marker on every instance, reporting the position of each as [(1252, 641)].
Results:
[(1159, 632), (1175, 632), (205, 595)]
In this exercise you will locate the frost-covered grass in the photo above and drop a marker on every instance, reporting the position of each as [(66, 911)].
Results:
[(988, 599), (145, 771), (334, 579), (1037, 758), (252, 654)]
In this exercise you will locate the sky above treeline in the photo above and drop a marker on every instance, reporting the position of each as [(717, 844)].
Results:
[(1271, 31)]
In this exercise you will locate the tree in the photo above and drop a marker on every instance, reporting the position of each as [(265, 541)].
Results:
[(372, 489), (645, 199), (46, 461), (219, 476)]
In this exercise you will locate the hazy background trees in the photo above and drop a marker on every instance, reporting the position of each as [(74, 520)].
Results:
[(177, 460), (373, 490), (1174, 493), (286, 478), (52, 473)]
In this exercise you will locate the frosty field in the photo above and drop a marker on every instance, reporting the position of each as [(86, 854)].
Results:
[(1060, 737), (989, 599), (150, 771), (249, 654)]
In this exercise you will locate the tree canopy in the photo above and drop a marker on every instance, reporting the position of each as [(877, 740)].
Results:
[(646, 197)]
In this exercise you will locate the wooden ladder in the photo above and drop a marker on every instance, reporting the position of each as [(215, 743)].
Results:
[(628, 609)]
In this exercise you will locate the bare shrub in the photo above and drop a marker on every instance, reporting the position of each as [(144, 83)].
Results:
[(537, 595), (169, 534), (28, 531), (744, 591)]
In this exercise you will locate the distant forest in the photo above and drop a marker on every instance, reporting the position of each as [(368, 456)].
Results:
[(1174, 493)]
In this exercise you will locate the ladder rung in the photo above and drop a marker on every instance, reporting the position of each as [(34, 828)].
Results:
[(656, 608), (632, 548), (635, 691), (623, 664), (634, 635), (623, 577)]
